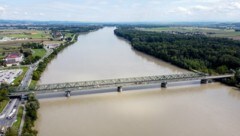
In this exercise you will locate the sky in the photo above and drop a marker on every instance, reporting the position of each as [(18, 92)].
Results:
[(121, 10)]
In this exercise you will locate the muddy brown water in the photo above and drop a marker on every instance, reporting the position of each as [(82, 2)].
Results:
[(189, 110)]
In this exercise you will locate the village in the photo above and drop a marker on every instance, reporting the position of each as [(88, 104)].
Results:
[(15, 57)]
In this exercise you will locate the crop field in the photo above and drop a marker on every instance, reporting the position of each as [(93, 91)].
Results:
[(30, 34), (213, 32)]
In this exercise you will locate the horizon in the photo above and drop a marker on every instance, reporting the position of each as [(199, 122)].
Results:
[(112, 11), (121, 22)]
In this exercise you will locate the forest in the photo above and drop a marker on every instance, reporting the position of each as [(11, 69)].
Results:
[(194, 52)]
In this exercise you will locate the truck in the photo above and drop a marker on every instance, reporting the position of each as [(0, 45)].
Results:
[(12, 114)]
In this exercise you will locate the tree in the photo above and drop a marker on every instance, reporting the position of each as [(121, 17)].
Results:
[(31, 116), (222, 69), (11, 132), (3, 94), (237, 76), (36, 75)]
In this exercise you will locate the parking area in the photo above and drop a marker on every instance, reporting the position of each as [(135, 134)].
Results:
[(8, 76)]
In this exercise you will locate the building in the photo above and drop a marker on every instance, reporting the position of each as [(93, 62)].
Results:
[(13, 59), (52, 46)]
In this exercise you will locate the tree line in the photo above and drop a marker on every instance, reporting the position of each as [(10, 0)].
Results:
[(32, 106), (199, 52)]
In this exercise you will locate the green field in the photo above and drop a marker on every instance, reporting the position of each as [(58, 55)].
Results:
[(213, 32), (17, 124), (69, 34), (39, 52), (3, 104), (25, 34)]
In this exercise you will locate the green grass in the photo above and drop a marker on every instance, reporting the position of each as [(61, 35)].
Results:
[(39, 52), (19, 118), (18, 80), (3, 104), (228, 33), (33, 35), (68, 34), (33, 84), (36, 35)]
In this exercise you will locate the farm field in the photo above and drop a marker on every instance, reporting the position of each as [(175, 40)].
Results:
[(30, 34), (213, 32)]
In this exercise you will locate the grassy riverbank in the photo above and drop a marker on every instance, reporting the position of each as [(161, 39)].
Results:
[(32, 106)]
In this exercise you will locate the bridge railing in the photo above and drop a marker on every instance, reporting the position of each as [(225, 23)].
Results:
[(121, 82)]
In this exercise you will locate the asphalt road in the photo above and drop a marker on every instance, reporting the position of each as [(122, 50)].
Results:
[(14, 103), (8, 109), (28, 76)]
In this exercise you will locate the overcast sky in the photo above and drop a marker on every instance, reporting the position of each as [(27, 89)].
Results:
[(121, 10)]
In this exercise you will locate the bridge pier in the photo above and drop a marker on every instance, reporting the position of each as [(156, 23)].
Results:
[(68, 93), (204, 81), (119, 89), (164, 84)]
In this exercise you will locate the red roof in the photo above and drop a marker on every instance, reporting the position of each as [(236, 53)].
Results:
[(13, 55)]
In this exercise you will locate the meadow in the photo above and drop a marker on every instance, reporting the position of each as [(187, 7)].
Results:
[(213, 32)]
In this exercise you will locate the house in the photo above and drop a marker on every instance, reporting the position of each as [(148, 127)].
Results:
[(13, 59), (52, 46)]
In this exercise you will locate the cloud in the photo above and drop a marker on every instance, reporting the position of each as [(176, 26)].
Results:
[(2, 10), (236, 4), (201, 8), (122, 10), (181, 10), (41, 14), (16, 12)]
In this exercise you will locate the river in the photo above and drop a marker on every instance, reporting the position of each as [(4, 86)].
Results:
[(189, 110)]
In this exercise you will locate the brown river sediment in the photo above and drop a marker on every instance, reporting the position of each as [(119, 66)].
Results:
[(189, 110)]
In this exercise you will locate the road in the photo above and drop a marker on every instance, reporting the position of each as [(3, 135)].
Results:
[(4, 121), (28, 76)]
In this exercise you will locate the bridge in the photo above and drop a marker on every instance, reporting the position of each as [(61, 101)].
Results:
[(162, 80)]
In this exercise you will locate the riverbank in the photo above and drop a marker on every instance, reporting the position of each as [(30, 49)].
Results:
[(43, 65), (206, 54), (156, 111)]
